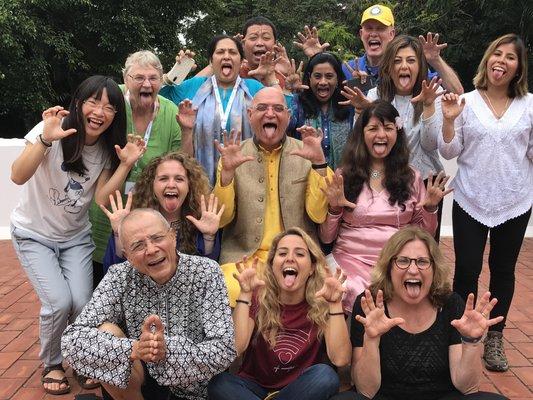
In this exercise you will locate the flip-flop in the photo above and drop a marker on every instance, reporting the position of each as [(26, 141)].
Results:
[(82, 381), (64, 380)]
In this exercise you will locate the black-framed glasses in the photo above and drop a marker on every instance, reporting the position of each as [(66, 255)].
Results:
[(405, 262)]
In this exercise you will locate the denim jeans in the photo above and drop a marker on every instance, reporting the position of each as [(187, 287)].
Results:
[(318, 382)]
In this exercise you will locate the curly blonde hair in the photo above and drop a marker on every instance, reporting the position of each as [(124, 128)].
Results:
[(381, 274), (269, 313), (144, 196)]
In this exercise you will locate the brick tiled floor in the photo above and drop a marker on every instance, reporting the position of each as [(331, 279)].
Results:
[(20, 368)]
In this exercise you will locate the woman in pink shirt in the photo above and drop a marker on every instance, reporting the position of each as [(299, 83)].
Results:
[(374, 194)]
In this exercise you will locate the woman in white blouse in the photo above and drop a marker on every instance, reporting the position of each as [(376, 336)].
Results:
[(490, 130)]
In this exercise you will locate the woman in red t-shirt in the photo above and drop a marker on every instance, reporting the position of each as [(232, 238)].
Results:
[(288, 323)]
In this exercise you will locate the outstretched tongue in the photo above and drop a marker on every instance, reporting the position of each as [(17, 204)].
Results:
[(289, 279), (497, 73), (404, 80), (170, 203), (413, 289), (270, 129)]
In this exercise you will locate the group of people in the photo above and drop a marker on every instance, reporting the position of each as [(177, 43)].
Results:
[(264, 167)]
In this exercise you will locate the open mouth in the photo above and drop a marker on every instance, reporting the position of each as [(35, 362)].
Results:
[(413, 287), (380, 148), (226, 68), (404, 79), (94, 123), (270, 128), (259, 53), (289, 276), (158, 262), (171, 200), (145, 95), (498, 72), (323, 92), (374, 44)]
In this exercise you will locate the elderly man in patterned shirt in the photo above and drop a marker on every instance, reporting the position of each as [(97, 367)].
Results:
[(159, 325)]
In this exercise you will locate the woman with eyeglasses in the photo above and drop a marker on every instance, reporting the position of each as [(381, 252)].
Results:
[(70, 157), (374, 194), (414, 338), (149, 116), (175, 185), (217, 103)]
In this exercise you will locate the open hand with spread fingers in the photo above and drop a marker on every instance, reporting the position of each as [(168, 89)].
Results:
[(186, 116), (132, 151), (356, 98), (210, 216), (118, 211), (476, 320), (293, 81), (435, 191), (283, 64), (332, 290), (230, 153), (312, 145), (266, 70), (431, 47), (375, 321), (429, 92), (452, 106), (355, 71), (334, 192), (309, 42), (247, 276), (52, 129)]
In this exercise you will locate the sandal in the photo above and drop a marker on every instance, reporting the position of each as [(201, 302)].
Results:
[(82, 381), (64, 380)]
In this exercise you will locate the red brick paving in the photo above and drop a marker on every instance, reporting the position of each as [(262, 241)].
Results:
[(20, 368)]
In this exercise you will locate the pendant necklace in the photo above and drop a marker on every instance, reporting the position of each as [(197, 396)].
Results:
[(375, 174), (497, 115)]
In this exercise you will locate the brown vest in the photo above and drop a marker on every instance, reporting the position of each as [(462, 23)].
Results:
[(243, 235)]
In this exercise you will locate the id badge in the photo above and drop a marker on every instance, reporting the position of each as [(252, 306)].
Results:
[(128, 187)]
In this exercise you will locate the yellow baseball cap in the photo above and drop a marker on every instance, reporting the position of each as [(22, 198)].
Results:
[(380, 13)]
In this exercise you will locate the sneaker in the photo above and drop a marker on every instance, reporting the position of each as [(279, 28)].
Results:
[(494, 353)]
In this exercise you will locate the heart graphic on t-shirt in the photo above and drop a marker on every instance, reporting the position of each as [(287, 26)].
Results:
[(284, 356)]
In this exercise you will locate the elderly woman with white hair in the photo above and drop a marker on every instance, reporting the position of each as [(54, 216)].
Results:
[(149, 116)]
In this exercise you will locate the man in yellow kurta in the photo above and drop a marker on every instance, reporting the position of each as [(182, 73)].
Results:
[(268, 183)]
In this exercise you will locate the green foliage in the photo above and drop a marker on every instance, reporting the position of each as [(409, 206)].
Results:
[(48, 46)]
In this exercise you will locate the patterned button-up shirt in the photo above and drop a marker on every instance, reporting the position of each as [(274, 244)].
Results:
[(193, 306)]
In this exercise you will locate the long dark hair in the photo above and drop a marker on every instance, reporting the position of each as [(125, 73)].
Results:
[(115, 134), (399, 176), (386, 89), (308, 100)]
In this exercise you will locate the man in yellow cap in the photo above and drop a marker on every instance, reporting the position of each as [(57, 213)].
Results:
[(377, 30)]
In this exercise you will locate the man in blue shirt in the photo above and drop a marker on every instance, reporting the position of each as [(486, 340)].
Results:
[(376, 32)]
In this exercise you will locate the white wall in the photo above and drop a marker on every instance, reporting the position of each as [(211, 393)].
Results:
[(9, 192)]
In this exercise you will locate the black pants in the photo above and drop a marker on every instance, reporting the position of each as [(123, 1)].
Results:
[(469, 239), (451, 396)]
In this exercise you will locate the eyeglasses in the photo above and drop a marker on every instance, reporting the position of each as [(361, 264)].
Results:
[(277, 108), (139, 79), (141, 245), (94, 104), (405, 262)]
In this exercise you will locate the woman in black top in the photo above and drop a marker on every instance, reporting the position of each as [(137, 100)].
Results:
[(414, 338)]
